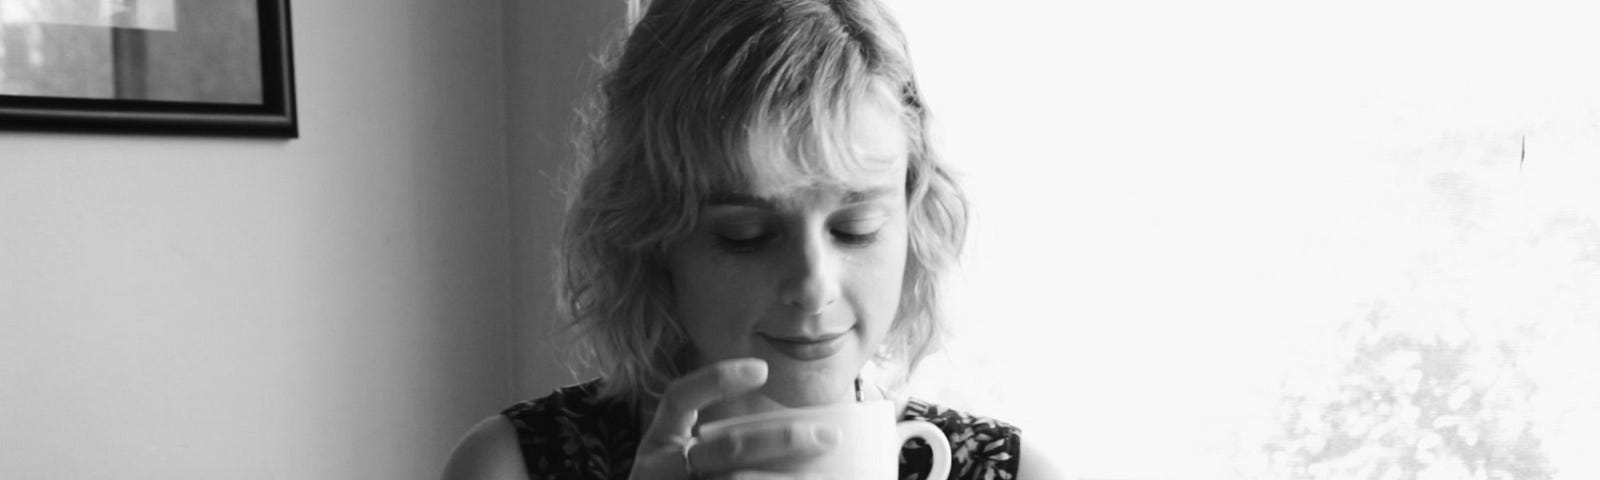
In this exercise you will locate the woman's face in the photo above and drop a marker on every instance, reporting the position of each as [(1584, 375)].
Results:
[(804, 273)]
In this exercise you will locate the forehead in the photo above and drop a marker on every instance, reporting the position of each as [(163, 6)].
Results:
[(868, 148)]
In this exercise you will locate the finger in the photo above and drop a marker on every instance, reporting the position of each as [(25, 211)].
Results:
[(681, 403), (761, 444)]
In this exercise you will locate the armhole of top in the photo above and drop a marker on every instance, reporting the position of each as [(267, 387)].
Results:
[(489, 451)]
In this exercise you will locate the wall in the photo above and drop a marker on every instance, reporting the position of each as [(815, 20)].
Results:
[(551, 52), (332, 307)]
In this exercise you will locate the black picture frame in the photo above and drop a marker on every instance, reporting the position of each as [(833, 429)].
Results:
[(274, 116)]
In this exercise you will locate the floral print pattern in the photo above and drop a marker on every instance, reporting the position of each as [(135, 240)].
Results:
[(573, 434), (980, 448)]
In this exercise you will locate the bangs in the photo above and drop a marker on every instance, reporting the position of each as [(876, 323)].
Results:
[(810, 140), (764, 96), (774, 103)]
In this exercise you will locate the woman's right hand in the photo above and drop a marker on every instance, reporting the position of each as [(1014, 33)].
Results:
[(668, 450)]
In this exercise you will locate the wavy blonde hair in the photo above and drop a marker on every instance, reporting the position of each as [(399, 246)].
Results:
[(671, 123)]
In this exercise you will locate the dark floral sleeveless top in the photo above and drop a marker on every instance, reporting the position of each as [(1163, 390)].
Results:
[(574, 434)]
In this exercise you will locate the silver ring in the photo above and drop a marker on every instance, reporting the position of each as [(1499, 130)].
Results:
[(688, 467)]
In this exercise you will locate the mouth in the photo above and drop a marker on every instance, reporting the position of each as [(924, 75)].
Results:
[(806, 348)]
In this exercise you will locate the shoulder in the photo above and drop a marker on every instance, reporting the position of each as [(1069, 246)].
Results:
[(984, 447), (950, 419), (497, 448), (574, 432), (571, 402), (488, 451), (569, 412), (977, 443)]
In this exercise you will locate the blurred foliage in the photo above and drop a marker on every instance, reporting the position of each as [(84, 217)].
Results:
[(1407, 406)]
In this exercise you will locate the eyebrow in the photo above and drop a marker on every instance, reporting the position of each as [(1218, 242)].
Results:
[(733, 199), (862, 196), (729, 199)]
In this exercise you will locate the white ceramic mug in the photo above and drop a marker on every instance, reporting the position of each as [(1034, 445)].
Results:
[(869, 439)]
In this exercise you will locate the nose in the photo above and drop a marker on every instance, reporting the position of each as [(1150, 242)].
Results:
[(811, 270)]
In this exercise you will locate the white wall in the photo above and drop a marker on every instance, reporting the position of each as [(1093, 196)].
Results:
[(332, 307)]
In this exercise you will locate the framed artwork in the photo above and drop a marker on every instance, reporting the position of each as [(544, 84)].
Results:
[(215, 67)]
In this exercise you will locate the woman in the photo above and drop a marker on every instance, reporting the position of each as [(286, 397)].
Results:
[(759, 217)]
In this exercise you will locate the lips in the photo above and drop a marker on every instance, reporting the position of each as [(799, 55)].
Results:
[(806, 348)]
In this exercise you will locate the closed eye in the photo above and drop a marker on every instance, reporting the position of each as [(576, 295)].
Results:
[(856, 239), (744, 244), (858, 232)]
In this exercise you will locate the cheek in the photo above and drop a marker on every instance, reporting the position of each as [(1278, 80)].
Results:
[(878, 294), (712, 302)]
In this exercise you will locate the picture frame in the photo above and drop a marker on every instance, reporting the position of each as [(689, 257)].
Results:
[(198, 67)]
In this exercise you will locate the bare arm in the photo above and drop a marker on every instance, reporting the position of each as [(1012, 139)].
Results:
[(1036, 464), (489, 451)]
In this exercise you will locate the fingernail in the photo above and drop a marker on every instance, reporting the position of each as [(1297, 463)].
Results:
[(753, 369), (826, 436)]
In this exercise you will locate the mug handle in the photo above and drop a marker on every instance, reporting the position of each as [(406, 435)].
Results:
[(910, 429)]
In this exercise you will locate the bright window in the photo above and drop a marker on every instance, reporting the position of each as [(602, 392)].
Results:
[(1275, 240)]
